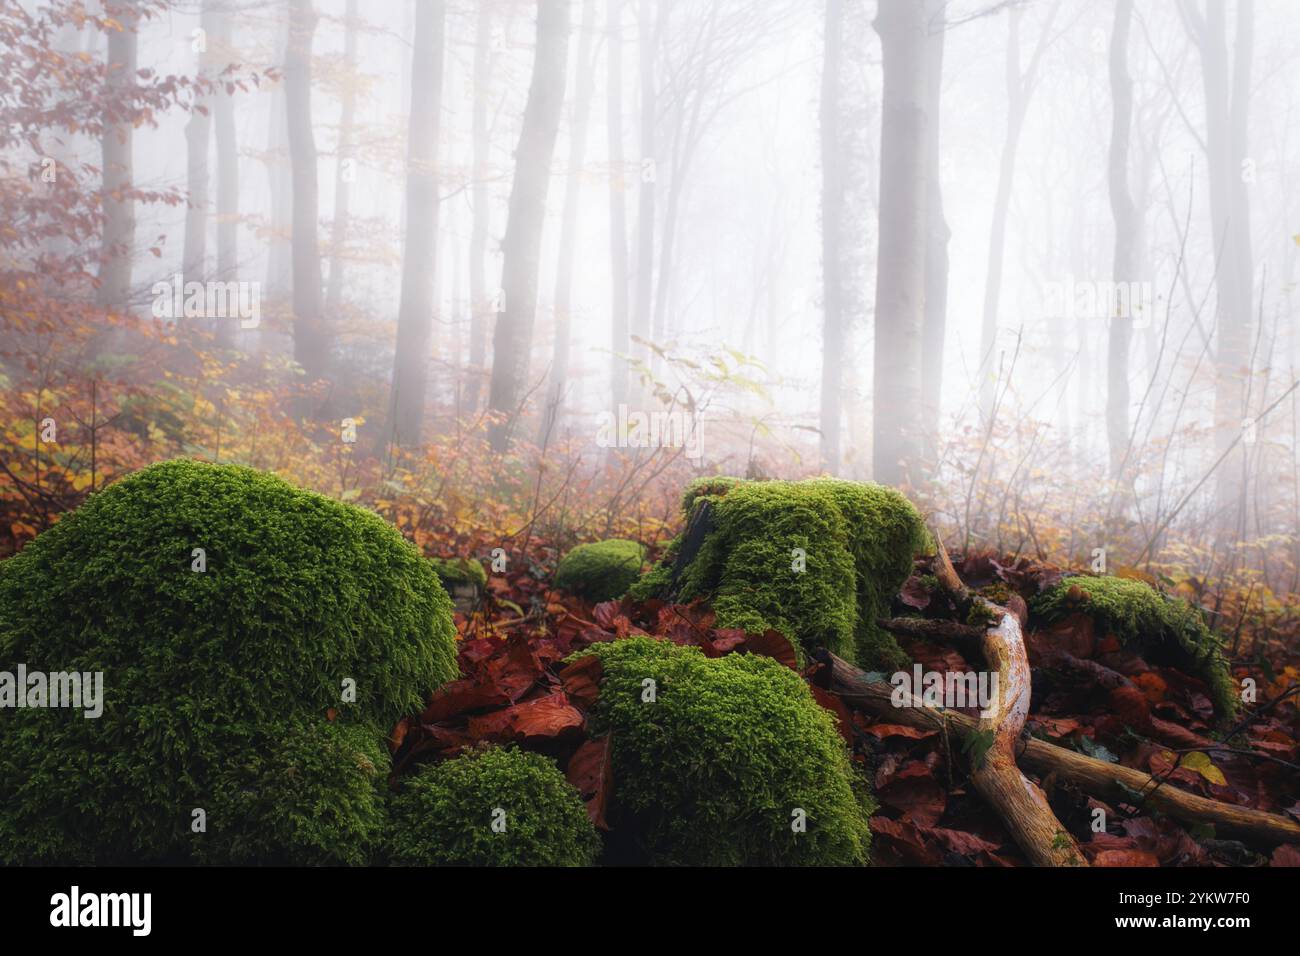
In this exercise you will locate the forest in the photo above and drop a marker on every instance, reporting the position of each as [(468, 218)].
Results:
[(629, 433)]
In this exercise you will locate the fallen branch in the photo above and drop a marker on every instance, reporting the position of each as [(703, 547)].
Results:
[(1018, 801), (1106, 781), (932, 629), (1022, 805)]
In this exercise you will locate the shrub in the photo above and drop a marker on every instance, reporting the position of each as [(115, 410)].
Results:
[(601, 571), (445, 812), (857, 542), (299, 593), (1163, 628), (714, 769)]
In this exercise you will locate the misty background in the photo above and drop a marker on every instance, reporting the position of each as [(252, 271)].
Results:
[(1033, 261)]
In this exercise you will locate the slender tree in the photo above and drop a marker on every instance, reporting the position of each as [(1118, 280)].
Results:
[(223, 114), (1020, 90), (419, 255), (832, 228), (480, 301), (647, 46), (934, 325), (1124, 214), (345, 168), (900, 262), (1227, 110), (198, 137), (522, 244), (310, 338), (619, 343), (116, 159), (585, 68)]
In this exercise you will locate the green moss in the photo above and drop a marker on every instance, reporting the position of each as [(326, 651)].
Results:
[(818, 560), (601, 571), (445, 814), (1163, 628), (300, 594), (315, 788), (459, 571), (714, 769)]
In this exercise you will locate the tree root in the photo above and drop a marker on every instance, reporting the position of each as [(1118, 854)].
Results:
[(1106, 781)]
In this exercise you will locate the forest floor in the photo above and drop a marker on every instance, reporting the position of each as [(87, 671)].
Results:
[(1114, 707)]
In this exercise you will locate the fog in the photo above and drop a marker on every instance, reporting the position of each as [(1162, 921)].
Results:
[(755, 141)]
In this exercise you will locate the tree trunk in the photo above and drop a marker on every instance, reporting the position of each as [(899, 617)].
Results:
[(552, 412), (480, 301), (900, 269), (832, 229), (619, 343), (198, 138), (1016, 105), (310, 341), (345, 170), (227, 178), (279, 257), (1122, 210), (934, 324), (1227, 102), (419, 255), (117, 167), (648, 173), (521, 247)]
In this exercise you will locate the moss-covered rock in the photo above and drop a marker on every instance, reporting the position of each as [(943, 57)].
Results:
[(716, 761), (494, 806), (817, 560), (1162, 628), (601, 571), (221, 605), (459, 572)]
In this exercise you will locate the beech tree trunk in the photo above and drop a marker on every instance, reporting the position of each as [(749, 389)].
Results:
[(198, 137), (480, 300), (310, 340), (344, 171), (900, 269), (934, 323), (1124, 214), (118, 170), (223, 110), (552, 412), (832, 383), (419, 256), (647, 172), (619, 343), (522, 245), (1227, 107)]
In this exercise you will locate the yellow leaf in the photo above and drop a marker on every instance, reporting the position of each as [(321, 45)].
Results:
[(1201, 763)]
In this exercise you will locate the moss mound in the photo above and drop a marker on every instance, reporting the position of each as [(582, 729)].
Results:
[(817, 560), (459, 571), (601, 571), (1163, 628), (299, 595), (316, 790), (715, 769), (491, 807)]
